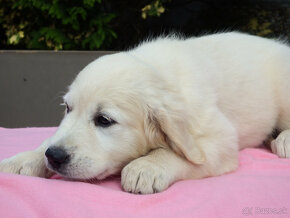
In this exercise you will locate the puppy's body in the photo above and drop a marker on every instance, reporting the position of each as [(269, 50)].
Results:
[(244, 76), (178, 109)]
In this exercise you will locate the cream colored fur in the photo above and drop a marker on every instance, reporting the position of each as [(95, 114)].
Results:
[(183, 107)]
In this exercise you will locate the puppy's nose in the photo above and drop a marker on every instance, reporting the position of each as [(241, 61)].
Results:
[(56, 156)]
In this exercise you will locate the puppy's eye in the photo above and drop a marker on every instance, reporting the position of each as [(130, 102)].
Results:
[(103, 121), (68, 108)]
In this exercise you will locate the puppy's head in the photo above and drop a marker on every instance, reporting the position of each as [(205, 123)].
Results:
[(117, 111)]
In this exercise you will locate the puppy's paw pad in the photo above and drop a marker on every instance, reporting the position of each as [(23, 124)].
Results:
[(281, 145), (143, 177)]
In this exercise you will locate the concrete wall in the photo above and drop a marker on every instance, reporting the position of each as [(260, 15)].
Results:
[(32, 84)]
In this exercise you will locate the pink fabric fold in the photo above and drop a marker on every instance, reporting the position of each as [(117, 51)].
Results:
[(259, 188)]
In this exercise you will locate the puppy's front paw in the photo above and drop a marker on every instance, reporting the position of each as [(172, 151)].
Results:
[(144, 177), (281, 145), (28, 163)]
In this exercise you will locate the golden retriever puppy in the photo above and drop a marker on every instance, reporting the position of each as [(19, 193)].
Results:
[(168, 110)]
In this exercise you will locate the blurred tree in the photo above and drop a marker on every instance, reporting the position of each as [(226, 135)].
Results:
[(56, 24)]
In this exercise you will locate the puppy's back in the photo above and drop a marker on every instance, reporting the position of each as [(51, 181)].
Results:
[(246, 75)]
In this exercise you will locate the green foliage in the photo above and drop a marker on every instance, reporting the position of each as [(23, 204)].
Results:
[(259, 24), (117, 25), (55, 24), (155, 8)]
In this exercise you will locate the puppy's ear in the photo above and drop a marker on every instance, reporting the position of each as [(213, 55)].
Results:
[(176, 130)]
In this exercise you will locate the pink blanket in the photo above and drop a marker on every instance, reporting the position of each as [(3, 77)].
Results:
[(259, 188)]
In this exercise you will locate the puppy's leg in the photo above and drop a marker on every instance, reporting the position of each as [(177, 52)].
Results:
[(281, 145), (162, 167), (30, 163), (154, 172)]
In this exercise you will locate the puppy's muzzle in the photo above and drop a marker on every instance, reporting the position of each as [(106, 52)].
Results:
[(56, 157)]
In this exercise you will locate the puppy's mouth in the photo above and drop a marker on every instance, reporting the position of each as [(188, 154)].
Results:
[(60, 170), (73, 174)]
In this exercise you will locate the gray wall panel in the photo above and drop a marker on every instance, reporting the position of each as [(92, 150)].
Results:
[(33, 82)]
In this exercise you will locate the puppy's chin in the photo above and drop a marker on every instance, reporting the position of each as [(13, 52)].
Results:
[(80, 177), (103, 175)]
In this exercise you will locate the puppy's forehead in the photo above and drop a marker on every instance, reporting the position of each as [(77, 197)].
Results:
[(117, 80), (117, 70)]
